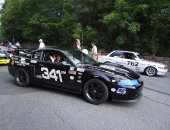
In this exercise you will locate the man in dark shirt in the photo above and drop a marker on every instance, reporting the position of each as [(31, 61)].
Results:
[(77, 46)]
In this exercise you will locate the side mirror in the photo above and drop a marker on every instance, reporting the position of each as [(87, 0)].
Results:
[(136, 59), (65, 63)]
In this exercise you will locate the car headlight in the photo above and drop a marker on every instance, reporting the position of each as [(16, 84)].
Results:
[(161, 67), (117, 78)]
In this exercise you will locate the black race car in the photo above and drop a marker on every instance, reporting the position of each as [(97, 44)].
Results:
[(78, 73)]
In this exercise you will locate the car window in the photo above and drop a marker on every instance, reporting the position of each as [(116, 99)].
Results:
[(13, 46), (34, 55), (77, 57), (116, 53), (51, 56)]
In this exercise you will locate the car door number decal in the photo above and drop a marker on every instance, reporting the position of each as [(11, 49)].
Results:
[(52, 74), (131, 63)]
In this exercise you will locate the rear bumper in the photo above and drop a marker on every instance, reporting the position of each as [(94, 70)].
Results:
[(4, 61)]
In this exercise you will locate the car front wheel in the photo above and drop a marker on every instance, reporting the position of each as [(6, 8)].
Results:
[(95, 91), (22, 78), (150, 71)]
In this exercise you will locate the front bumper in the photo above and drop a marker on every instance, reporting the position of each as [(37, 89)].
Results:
[(123, 94), (133, 99), (162, 72)]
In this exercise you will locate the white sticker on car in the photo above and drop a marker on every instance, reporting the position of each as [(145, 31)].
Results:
[(80, 69), (71, 77)]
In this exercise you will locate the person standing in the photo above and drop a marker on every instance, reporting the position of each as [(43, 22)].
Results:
[(77, 46), (94, 51), (41, 45)]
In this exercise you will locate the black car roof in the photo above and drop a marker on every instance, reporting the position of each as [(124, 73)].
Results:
[(56, 49)]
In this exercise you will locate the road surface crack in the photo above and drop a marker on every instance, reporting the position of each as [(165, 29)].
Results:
[(157, 91), (156, 101)]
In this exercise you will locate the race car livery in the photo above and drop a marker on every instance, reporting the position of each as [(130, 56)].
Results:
[(77, 73), (134, 61)]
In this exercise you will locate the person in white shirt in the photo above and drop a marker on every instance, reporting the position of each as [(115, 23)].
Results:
[(41, 45), (94, 51)]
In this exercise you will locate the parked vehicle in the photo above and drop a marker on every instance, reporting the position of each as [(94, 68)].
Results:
[(4, 57), (134, 61)]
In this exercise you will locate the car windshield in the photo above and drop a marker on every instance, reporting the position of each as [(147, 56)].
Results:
[(13, 46), (140, 57), (77, 57)]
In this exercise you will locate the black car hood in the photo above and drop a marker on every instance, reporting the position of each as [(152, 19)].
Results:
[(115, 69)]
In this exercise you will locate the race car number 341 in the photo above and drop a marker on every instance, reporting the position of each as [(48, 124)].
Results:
[(55, 74)]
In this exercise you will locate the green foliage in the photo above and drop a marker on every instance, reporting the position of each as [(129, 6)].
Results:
[(141, 26), (120, 40)]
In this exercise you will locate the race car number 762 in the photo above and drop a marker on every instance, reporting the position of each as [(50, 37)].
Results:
[(52, 74), (132, 63)]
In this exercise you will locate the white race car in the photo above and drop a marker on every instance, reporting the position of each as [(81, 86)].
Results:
[(134, 61)]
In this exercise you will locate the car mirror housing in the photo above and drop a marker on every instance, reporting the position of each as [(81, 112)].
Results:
[(65, 63)]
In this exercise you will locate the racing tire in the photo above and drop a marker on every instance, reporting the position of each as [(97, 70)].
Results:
[(22, 78), (150, 71), (95, 91)]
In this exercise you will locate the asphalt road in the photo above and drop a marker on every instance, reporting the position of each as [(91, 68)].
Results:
[(39, 108)]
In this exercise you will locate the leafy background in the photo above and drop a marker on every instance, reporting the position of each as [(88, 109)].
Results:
[(136, 25)]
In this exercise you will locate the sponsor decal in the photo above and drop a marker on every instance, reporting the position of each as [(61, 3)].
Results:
[(97, 69), (80, 69), (33, 61), (113, 89), (22, 59), (12, 62), (121, 91), (72, 77), (79, 81), (80, 73), (72, 72), (71, 68), (17, 62), (63, 72), (38, 76), (113, 80), (107, 67), (14, 58), (137, 68)]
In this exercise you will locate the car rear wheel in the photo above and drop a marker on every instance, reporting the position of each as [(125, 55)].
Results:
[(22, 78), (107, 62), (150, 71), (95, 91)]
